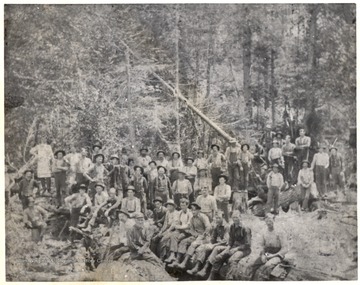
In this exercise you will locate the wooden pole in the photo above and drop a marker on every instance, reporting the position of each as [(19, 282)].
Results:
[(177, 89), (128, 99)]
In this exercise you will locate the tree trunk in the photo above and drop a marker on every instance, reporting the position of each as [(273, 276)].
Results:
[(247, 69), (177, 103), (129, 100), (209, 62), (272, 88)]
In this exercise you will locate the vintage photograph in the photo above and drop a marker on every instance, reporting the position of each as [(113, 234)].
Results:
[(180, 142)]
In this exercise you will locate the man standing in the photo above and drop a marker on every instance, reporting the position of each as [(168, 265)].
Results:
[(34, 218), (274, 182), (181, 187), (201, 181), (162, 187), (238, 247), (131, 204), (215, 160), (305, 181), (302, 146), (222, 195), (96, 173), (220, 236), (245, 158), (116, 175), (72, 159), (207, 204), (190, 170), (273, 251), (141, 186), (27, 185), (82, 166), (199, 233), (152, 176), (138, 239), (144, 159), (44, 155), (289, 160), (232, 155), (60, 166), (161, 160), (336, 169), (275, 154), (97, 146), (320, 164)]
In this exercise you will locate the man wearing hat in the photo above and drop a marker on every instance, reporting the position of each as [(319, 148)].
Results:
[(162, 186), (161, 160), (200, 161), (246, 160), (174, 165), (336, 167), (144, 159), (305, 182), (274, 182), (60, 166), (181, 188), (320, 165), (302, 146), (275, 154), (116, 174), (141, 186), (232, 155), (279, 138), (34, 217), (96, 148), (222, 195), (289, 160), (27, 185), (215, 160), (138, 239), (207, 204), (130, 203), (82, 166), (165, 231), (152, 175), (199, 233), (96, 173), (190, 170), (159, 213), (202, 181)]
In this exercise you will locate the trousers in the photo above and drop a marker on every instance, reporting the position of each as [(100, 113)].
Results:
[(60, 185), (234, 176), (320, 179), (273, 197)]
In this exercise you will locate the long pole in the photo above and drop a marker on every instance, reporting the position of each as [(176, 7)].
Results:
[(177, 89)]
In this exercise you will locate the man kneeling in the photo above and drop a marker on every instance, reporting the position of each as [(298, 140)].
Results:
[(239, 246)]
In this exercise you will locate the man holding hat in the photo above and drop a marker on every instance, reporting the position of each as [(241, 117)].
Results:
[(215, 160), (130, 203), (222, 195), (27, 185), (161, 160), (320, 165), (274, 182), (199, 233), (138, 239), (60, 166), (207, 204), (181, 187), (336, 167), (232, 155), (34, 218), (162, 186), (305, 181)]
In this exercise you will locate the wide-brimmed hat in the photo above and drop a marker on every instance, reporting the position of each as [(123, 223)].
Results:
[(190, 158), (138, 166), (139, 215), (305, 161), (163, 167), (275, 142), (196, 205), (28, 170), (160, 151), (153, 161), (159, 199), (181, 171), (99, 154), (275, 165), (100, 184), (223, 176), (172, 155), (60, 150), (170, 202), (130, 187), (144, 148), (213, 145), (233, 140), (82, 186), (333, 147), (202, 169), (245, 144), (124, 212), (97, 144), (114, 156), (279, 133)]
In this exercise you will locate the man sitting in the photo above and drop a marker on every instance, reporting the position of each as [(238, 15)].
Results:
[(34, 218), (207, 203), (159, 214), (131, 204), (220, 236), (239, 246), (199, 233)]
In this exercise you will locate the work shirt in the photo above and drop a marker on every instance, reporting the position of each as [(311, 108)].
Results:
[(163, 163), (202, 182), (303, 142), (152, 174), (274, 241), (275, 180), (120, 232), (140, 183), (239, 236), (288, 149), (100, 198), (34, 215), (72, 159), (83, 164), (246, 157), (59, 163), (137, 237), (220, 233), (176, 164), (275, 153), (200, 225), (216, 160), (26, 187), (143, 161), (182, 187), (191, 171), (320, 159), (232, 154), (131, 205), (77, 200), (97, 172), (200, 162), (305, 177), (169, 220), (207, 204), (222, 192), (159, 215), (183, 219), (336, 161), (162, 183)]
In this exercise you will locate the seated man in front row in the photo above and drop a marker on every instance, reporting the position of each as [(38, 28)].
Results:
[(34, 218), (239, 246)]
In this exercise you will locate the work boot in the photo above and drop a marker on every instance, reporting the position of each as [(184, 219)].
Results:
[(195, 269), (182, 265), (203, 272), (177, 262), (171, 258)]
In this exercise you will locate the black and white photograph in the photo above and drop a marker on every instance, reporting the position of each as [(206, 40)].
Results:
[(180, 142)]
